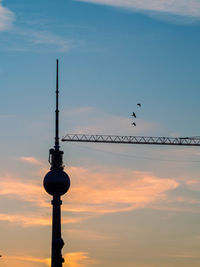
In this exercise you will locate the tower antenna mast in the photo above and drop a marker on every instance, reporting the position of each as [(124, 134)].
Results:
[(57, 110), (56, 183)]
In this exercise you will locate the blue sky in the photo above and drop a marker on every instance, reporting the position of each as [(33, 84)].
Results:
[(127, 204), (153, 58)]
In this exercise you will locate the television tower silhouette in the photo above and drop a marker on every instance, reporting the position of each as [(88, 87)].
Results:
[(56, 183)]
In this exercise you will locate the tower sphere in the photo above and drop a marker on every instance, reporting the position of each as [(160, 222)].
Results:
[(56, 183)]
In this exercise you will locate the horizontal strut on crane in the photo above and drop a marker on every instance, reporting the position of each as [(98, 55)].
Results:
[(124, 139)]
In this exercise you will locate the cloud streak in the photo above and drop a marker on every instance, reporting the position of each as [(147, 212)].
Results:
[(74, 259), (39, 40), (14, 188), (175, 7), (94, 191), (31, 160), (90, 120), (26, 220), (7, 18), (118, 190), (35, 219)]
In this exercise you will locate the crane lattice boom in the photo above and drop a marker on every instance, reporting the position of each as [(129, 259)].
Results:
[(184, 141)]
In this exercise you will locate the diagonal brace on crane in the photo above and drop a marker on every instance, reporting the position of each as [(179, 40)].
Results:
[(124, 139)]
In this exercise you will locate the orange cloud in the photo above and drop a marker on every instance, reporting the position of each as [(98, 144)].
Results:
[(19, 259), (31, 160), (93, 192), (88, 234), (193, 184), (73, 259), (35, 219), (105, 191), (77, 259), (96, 190), (15, 188), (26, 220)]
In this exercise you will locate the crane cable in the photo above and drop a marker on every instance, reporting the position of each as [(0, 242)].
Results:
[(133, 156)]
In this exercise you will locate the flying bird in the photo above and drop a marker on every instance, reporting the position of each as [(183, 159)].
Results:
[(134, 124), (134, 115), (138, 104)]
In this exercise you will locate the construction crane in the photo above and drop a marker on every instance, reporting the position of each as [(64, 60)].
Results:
[(123, 139)]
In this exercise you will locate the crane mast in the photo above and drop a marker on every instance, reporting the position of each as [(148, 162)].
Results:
[(124, 139)]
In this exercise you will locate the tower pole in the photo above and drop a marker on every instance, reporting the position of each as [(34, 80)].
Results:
[(57, 110), (57, 241), (56, 183)]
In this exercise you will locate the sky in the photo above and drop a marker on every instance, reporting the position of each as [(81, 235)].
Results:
[(128, 205)]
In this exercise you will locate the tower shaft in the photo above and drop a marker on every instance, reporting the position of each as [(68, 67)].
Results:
[(57, 241)]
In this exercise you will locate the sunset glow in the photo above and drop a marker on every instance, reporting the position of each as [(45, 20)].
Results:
[(126, 68)]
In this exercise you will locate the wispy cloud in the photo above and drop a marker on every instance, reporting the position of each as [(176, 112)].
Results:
[(93, 192), (74, 259), (19, 260), (90, 120), (35, 219), (28, 39), (31, 160), (38, 38), (78, 259), (7, 18), (88, 234), (185, 256), (26, 220), (193, 184), (175, 7), (107, 191), (14, 188)]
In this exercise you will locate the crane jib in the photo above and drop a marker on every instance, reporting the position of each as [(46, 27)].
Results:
[(125, 139)]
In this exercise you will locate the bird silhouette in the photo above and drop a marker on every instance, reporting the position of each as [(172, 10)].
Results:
[(134, 124), (138, 104), (134, 115)]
